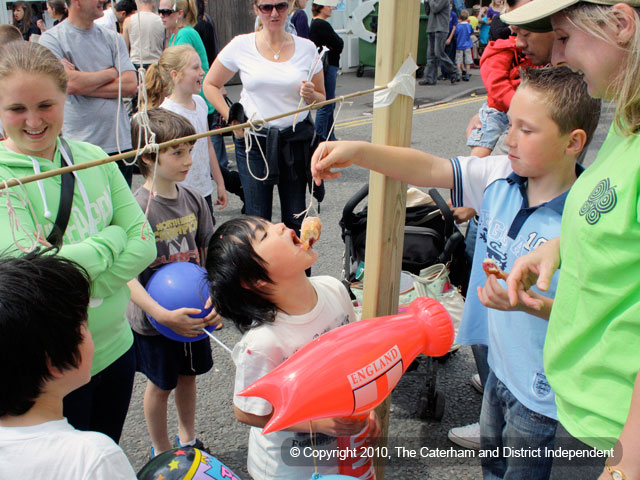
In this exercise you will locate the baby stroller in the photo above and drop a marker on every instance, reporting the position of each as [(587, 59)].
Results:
[(431, 237)]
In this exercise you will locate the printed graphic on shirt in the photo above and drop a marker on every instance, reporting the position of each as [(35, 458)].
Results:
[(170, 229), (540, 386), (81, 225), (328, 328), (493, 232), (602, 200), (173, 233), (344, 321)]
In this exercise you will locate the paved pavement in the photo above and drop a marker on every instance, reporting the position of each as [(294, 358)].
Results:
[(441, 114)]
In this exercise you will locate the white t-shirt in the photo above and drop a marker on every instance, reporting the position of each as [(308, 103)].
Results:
[(261, 350), (270, 88), (146, 37), (57, 451), (108, 20), (199, 176)]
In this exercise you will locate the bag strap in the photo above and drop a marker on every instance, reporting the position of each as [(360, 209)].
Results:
[(66, 199), (449, 221), (452, 236)]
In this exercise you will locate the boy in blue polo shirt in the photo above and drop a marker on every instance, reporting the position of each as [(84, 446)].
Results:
[(519, 199)]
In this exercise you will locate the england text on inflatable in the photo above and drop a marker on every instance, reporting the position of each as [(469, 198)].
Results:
[(351, 370), (185, 463)]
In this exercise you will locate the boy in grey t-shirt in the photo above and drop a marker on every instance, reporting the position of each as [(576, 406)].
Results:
[(182, 224)]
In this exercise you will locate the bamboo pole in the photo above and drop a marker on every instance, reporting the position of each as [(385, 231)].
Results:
[(397, 38), (178, 141)]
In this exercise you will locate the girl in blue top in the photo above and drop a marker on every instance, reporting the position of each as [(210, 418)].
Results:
[(179, 18)]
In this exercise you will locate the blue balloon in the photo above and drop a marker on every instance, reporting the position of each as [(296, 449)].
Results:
[(180, 285)]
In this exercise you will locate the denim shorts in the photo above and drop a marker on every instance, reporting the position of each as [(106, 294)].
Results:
[(494, 123), (162, 360), (516, 433)]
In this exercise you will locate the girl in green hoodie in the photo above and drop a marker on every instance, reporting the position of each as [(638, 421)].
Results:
[(104, 233)]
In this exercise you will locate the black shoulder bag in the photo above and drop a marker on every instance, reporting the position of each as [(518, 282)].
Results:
[(66, 200)]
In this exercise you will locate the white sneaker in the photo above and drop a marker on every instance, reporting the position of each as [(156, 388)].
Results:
[(467, 436), (476, 383)]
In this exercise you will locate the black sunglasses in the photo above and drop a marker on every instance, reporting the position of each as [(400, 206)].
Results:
[(168, 11), (268, 7)]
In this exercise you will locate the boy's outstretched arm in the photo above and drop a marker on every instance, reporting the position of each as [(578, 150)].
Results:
[(406, 164)]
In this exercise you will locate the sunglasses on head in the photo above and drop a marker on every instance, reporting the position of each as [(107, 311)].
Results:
[(268, 7)]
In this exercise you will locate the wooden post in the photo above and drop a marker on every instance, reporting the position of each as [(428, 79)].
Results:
[(398, 22)]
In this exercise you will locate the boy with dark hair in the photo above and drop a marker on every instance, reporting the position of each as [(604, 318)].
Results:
[(46, 352), (519, 199), (182, 224)]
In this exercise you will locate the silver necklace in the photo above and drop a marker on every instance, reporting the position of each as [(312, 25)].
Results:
[(276, 55)]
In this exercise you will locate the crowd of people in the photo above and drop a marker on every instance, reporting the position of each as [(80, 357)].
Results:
[(553, 340)]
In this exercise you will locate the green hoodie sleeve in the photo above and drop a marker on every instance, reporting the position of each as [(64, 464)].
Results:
[(140, 249), (96, 253)]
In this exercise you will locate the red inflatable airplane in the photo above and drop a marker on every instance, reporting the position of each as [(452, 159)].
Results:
[(351, 370)]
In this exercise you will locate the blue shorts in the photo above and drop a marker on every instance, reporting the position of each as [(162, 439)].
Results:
[(494, 123), (162, 360)]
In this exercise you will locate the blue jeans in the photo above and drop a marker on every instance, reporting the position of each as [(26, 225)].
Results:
[(505, 424), (221, 150), (258, 195), (324, 117)]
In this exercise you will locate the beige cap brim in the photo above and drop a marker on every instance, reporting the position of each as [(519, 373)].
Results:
[(327, 3), (535, 10), (539, 9)]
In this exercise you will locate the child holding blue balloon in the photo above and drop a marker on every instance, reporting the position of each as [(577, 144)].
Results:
[(182, 223), (258, 269)]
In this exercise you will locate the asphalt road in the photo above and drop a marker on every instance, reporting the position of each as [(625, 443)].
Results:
[(439, 120)]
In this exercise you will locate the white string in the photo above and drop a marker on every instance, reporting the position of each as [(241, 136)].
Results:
[(142, 107), (144, 131), (309, 77), (119, 91), (217, 341), (209, 133), (311, 206), (14, 222), (248, 144)]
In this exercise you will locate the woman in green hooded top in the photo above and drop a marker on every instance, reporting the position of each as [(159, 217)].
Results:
[(104, 233)]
